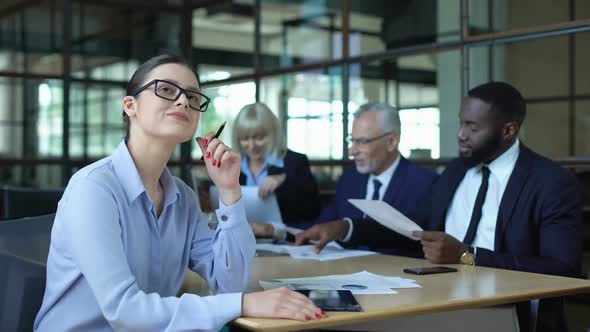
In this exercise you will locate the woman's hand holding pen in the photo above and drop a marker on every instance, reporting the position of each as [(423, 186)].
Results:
[(223, 166)]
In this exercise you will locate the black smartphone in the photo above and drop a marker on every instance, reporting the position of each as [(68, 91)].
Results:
[(332, 300), (430, 270)]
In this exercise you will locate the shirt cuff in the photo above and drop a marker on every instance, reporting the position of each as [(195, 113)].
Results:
[(279, 232), (233, 304), (349, 234), (228, 307), (231, 216)]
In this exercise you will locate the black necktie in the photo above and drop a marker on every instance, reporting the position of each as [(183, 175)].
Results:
[(376, 187), (476, 214)]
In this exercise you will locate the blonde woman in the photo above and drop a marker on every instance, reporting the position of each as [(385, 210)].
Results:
[(268, 164)]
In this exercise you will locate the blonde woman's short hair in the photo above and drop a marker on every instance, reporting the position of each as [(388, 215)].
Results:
[(258, 119)]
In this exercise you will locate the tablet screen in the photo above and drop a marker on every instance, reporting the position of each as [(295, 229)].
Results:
[(332, 300)]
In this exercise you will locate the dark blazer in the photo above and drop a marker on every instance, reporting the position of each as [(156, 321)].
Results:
[(539, 222), (409, 186), (298, 196), (538, 228)]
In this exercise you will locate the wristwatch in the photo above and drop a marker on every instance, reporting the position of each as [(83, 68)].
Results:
[(468, 257)]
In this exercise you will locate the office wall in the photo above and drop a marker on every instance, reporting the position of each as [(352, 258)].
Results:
[(109, 41), (540, 69), (449, 66)]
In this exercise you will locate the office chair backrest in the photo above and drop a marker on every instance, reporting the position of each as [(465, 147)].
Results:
[(27, 238), (22, 284), (27, 202), (24, 246), (584, 179)]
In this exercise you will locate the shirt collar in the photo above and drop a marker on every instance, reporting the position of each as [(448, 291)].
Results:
[(130, 179), (171, 192), (385, 176), (269, 160), (503, 164)]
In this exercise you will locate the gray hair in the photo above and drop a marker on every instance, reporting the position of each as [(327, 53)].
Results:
[(388, 115), (257, 118)]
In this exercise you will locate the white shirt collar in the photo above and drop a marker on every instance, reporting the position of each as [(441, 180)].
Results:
[(503, 165), (385, 176)]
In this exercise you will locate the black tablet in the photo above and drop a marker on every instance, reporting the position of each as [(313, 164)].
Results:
[(332, 300)]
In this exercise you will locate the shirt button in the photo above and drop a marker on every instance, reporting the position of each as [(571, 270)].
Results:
[(224, 218)]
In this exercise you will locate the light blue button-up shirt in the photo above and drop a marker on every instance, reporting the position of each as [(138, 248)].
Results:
[(268, 161), (114, 265)]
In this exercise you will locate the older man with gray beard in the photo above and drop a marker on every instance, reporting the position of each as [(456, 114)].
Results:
[(380, 173)]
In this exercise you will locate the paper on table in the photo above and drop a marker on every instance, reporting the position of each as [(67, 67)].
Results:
[(393, 282), (322, 283), (332, 251), (387, 216), (316, 285), (358, 283), (327, 254)]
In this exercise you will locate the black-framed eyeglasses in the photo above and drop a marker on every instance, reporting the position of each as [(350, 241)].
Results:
[(170, 91), (364, 141)]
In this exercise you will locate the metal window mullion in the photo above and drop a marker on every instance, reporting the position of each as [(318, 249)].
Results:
[(345, 74), (572, 82), (256, 59), (67, 53), (186, 40)]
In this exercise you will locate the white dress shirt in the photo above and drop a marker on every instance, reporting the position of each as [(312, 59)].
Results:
[(461, 208), (385, 178)]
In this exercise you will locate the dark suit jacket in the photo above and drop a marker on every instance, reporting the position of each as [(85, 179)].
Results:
[(538, 227), (409, 186), (539, 222), (298, 196)]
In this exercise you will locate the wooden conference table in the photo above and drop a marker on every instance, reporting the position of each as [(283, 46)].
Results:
[(471, 287)]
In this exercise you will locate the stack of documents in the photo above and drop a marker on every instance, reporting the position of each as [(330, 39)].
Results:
[(332, 251), (358, 283)]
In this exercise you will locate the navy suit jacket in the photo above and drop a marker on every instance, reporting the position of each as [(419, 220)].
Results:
[(538, 229), (298, 196), (539, 226), (409, 186)]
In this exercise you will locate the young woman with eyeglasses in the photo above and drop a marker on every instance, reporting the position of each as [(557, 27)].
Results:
[(126, 230)]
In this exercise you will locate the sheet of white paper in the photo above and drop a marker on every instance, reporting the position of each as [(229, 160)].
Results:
[(318, 283), (332, 251), (327, 254), (393, 282), (387, 216), (358, 283), (258, 210)]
